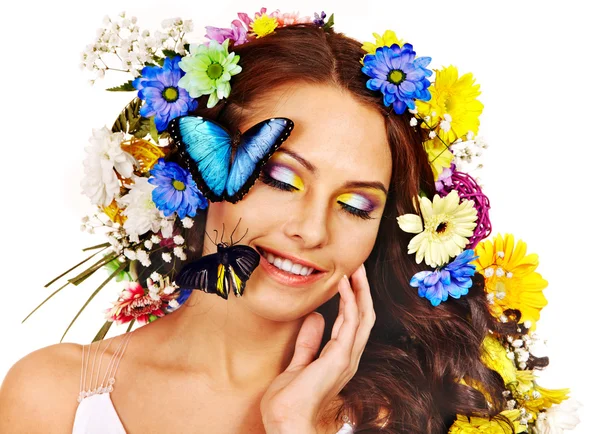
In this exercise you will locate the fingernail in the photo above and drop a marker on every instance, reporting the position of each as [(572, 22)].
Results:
[(345, 280)]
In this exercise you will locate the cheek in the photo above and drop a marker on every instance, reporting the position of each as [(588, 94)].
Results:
[(353, 248)]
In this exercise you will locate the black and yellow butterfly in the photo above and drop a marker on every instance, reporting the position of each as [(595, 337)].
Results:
[(217, 273)]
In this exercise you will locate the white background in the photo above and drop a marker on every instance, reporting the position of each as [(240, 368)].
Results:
[(537, 63)]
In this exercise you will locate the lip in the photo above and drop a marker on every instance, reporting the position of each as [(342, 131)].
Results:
[(288, 279), (291, 258)]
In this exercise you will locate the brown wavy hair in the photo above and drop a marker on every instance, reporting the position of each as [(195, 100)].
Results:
[(407, 380)]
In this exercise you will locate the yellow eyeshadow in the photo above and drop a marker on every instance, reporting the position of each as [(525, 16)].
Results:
[(357, 201), (285, 174)]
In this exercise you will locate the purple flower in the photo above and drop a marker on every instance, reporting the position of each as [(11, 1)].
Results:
[(176, 190), (468, 189), (320, 19), (164, 100), (454, 279), (445, 179), (398, 75), (237, 33)]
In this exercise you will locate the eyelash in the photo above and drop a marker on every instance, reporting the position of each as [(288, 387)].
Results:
[(264, 177)]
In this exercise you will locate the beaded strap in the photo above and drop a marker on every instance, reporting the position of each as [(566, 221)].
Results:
[(106, 386)]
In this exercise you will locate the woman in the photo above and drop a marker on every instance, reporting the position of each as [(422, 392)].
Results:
[(328, 199)]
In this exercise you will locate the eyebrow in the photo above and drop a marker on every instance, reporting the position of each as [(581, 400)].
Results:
[(350, 184)]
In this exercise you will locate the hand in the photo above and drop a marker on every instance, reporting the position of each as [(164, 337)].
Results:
[(293, 401)]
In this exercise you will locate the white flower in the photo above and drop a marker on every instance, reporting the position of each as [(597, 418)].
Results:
[(443, 229), (178, 239), (155, 239), (188, 26), (130, 254), (148, 244), (167, 257), (178, 251), (558, 418), (105, 155), (187, 222), (413, 122), (142, 214), (155, 276), (432, 134), (173, 304)]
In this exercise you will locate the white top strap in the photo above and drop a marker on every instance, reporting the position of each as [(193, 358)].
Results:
[(91, 387)]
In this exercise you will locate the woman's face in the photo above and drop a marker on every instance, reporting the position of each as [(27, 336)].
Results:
[(318, 203)]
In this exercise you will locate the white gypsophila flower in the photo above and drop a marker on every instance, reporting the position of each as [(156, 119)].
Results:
[(432, 134), (166, 226), (148, 244), (167, 257), (178, 251), (140, 210), (155, 276), (130, 254), (178, 239), (187, 222), (558, 418), (104, 156), (413, 122), (155, 239), (188, 26)]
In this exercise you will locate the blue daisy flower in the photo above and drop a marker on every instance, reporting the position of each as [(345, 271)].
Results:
[(398, 75), (164, 100), (454, 279), (176, 190)]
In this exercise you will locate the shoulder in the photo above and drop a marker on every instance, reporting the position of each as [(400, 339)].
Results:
[(42, 386)]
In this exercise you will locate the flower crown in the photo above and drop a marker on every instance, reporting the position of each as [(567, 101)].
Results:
[(146, 202)]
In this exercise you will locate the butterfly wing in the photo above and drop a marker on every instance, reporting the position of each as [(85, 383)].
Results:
[(201, 274), (243, 260), (255, 148), (208, 146)]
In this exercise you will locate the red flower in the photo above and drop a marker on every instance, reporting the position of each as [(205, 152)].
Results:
[(134, 303)]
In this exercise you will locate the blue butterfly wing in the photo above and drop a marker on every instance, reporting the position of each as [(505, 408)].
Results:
[(209, 147), (255, 148)]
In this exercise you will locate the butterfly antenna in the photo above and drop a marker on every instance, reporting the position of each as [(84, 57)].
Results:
[(208, 235), (216, 235), (234, 229), (242, 237), (223, 232)]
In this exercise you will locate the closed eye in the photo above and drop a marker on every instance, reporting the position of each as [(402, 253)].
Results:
[(272, 182)]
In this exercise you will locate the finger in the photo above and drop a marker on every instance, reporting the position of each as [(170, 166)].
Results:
[(347, 332), (366, 314), (308, 341), (340, 318)]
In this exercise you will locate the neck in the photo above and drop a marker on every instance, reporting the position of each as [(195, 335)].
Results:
[(228, 343)]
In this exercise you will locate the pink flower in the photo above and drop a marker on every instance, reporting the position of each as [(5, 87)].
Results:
[(134, 303), (237, 34), (289, 18)]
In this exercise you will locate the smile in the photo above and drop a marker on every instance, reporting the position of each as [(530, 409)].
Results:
[(288, 271)]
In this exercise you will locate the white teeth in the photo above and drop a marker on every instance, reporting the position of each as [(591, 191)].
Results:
[(289, 266)]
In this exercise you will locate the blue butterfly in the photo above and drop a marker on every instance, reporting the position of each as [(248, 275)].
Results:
[(208, 148)]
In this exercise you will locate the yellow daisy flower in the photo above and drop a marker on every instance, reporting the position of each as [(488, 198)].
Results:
[(511, 277), (493, 355), (439, 156), (456, 97), (388, 39), (449, 224), (263, 25), (480, 425)]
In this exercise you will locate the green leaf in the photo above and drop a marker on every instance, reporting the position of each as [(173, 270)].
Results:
[(42, 303), (153, 130), (170, 53), (130, 325), (97, 246), (102, 285), (102, 332), (128, 117), (125, 87), (113, 265), (329, 24), (72, 268), (91, 270)]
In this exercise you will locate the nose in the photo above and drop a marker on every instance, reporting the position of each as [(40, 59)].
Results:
[(308, 222)]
